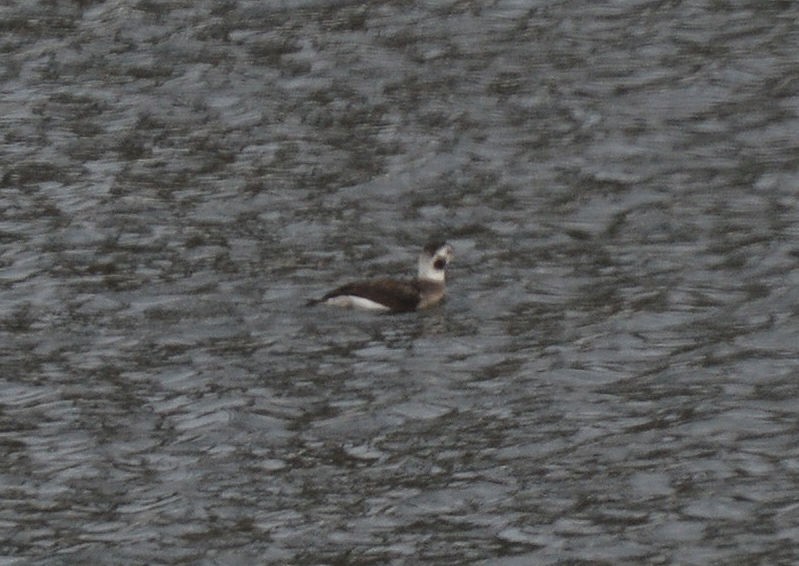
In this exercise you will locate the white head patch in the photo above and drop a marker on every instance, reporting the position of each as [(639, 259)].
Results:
[(434, 267)]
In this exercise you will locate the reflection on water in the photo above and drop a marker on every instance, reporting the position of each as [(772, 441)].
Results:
[(612, 379)]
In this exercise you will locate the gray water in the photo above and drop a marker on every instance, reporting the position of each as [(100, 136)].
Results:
[(613, 379)]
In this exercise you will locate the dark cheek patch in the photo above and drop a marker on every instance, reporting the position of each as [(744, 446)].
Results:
[(440, 264)]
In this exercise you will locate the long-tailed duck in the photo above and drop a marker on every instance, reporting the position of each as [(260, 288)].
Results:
[(426, 290)]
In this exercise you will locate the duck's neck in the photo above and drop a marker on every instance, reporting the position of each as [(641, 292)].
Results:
[(430, 292)]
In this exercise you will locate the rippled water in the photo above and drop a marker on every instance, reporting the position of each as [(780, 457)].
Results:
[(613, 379)]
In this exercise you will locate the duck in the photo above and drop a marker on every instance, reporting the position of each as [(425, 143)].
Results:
[(426, 290)]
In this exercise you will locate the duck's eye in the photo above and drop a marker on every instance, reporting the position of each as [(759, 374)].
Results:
[(440, 264)]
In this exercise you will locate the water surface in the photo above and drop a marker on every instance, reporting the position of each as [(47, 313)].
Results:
[(612, 379)]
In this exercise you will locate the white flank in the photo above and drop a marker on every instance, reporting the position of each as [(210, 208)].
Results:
[(355, 302)]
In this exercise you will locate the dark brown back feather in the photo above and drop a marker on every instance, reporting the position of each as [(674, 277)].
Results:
[(399, 296)]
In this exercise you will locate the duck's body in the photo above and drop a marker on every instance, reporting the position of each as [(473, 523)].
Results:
[(425, 291)]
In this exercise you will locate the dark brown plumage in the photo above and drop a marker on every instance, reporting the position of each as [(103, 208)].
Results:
[(398, 296), (426, 290)]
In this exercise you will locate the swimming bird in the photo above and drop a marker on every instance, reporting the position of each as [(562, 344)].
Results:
[(391, 295)]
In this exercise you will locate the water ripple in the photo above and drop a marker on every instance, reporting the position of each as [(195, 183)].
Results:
[(611, 379)]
